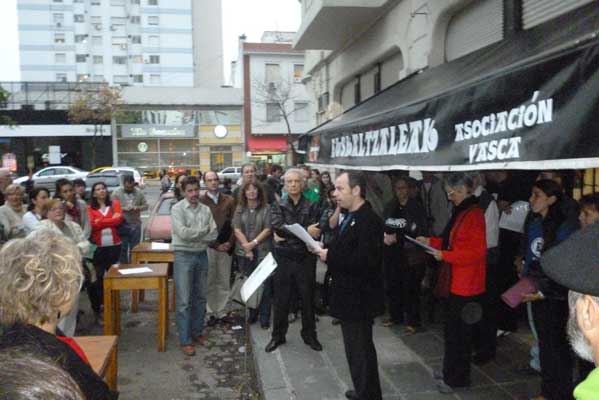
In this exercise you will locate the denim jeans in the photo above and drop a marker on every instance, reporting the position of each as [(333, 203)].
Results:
[(191, 283), (128, 241)]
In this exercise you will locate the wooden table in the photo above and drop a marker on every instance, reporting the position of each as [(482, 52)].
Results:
[(144, 253), (101, 351), (114, 281)]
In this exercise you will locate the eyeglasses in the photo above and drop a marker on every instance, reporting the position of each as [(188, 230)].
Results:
[(57, 208)]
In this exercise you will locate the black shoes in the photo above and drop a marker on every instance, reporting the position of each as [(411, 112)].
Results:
[(313, 343), (273, 344), (352, 395)]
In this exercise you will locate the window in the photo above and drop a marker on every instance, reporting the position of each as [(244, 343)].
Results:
[(80, 38), (121, 79), (96, 2), (48, 172), (61, 77), (137, 59), (117, 2), (119, 60), (134, 1), (138, 78), (135, 19), (98, 60), (82, 77), (154, 78), (59, 38), (80, 58), (298, 72), (98, 78), (60, 58), (300, 111), (154, 59), (273, 113), (154, 40), (153, 20), (77, 1), (152, 2), (271, 73), (58, 18), (97, 40), (79, 18), (56, 1), (136, 39)]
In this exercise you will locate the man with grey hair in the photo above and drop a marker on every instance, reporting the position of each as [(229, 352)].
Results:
[(573, 264), (295, 263), (5, 180)]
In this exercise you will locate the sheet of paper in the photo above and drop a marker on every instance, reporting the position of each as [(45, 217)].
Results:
[(160, 246), (130, 271), (425, 247), (303, 235), (514, 221), (253, 282)]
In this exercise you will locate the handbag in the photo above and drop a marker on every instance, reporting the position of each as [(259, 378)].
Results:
[(513, 296), (443, 286)]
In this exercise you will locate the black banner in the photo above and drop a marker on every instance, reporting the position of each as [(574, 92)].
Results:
[(543, 114)]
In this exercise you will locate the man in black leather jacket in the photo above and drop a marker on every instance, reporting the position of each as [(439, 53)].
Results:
[(295, 263)]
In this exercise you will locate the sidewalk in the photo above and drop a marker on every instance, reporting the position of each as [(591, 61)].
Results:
[(294, 371)]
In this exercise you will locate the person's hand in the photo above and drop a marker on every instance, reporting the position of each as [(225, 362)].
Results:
[(504, 206), (323, 254), (424, 240), (532, 297), (223, 247), (68, 204), (438, 254), (390, 238), (116, 215), (314, 230), (278, 239), (316, 249), (519, 264), (249, 255), (248, 246)]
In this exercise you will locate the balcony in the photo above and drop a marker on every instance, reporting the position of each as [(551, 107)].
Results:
[(329, 24)]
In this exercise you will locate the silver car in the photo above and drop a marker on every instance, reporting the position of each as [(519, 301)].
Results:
[(233, 173), (48, 176)]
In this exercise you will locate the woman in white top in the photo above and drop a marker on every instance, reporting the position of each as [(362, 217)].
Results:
[(53, 212), (38, 197), (11, 213)]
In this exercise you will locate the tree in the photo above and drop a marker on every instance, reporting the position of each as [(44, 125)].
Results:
[(95, 106), (281, 94)]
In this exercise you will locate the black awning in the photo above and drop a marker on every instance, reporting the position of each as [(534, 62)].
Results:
[(530, 102)]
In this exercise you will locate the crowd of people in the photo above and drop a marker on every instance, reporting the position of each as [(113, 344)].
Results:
[(436, 245)]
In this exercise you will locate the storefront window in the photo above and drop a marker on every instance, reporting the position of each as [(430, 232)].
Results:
[(138, 146), (185, 159), (221, 157), (175, 145), (220, 117)]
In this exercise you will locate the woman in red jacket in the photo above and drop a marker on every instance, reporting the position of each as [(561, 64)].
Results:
[(105, 216), (463, 246)]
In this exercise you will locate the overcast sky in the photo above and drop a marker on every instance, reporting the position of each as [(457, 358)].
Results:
[(251, 17)]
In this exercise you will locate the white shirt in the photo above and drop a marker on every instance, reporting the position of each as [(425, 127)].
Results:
[(214, 197), (491, 220), (31, 220)]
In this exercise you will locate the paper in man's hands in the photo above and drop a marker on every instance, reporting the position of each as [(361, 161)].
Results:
[(303, 235)]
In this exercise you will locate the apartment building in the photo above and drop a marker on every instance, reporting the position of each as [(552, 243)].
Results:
[(121, 42)]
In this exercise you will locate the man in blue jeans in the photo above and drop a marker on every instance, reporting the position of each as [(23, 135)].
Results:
[(193, 229), (133, 202)]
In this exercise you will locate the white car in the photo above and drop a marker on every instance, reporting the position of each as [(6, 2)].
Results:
[(233, 173), (48, 176), (138, 176)]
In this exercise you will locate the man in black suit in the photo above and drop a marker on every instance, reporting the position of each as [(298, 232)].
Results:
[(354, 259)]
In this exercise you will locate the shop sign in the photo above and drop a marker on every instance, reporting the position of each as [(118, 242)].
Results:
[(142, 147), (9, 160), (163, 131)]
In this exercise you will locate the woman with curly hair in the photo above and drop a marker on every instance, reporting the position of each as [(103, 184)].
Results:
[(40, 278)]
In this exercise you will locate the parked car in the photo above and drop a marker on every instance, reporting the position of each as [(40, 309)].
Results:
[(158, 225), (137, 175), (112, 180), (233, 173), (48, 176)]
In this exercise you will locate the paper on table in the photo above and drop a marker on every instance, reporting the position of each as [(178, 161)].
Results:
[(253, 282), (514, 221), (160, 246), (303, 234), (130, 271), (422, 245)]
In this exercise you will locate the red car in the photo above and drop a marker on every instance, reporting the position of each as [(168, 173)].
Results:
[(158, 226)]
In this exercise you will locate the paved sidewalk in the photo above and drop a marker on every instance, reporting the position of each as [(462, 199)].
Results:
[(294, 371)]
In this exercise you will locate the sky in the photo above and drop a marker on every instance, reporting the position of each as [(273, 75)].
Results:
[(249, 17)]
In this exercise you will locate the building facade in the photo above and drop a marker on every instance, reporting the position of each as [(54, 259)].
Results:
[(359, 48), (121, 42), (277, 107), (179, 129)]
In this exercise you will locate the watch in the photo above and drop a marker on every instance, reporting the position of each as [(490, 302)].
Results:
[(255, 241)]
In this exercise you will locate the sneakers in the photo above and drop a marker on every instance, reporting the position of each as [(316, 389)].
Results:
[(188, 350)]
